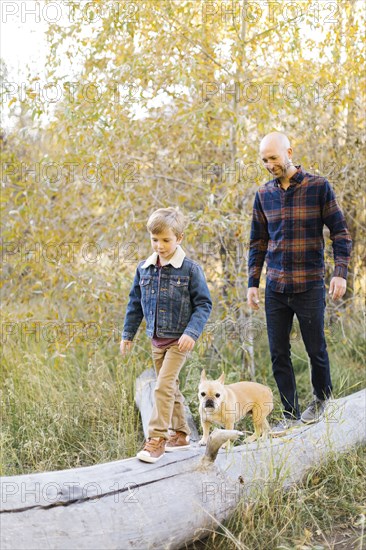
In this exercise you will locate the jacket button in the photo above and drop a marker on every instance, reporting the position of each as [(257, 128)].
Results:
[(152, 292)]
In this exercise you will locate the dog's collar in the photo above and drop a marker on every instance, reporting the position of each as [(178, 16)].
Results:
[(176, 260)]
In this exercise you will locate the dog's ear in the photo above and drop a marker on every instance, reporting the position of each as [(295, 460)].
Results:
[(222, 378), (203, 376)]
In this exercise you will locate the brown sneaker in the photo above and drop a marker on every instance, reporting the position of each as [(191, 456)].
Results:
[(153, 450), (179, 440)]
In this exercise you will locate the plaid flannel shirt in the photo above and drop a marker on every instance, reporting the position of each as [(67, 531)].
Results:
[(287, 232)]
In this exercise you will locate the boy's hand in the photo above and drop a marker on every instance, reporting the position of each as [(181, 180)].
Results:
[(125, 346), (186, 343), (253, 297)]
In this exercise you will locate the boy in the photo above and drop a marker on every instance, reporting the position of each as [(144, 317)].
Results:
[(171, 292)]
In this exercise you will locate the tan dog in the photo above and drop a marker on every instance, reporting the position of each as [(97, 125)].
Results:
[(225, 405)]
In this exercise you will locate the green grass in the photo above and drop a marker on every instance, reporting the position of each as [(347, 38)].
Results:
[(62, 412), (326, 511), (74, 406)]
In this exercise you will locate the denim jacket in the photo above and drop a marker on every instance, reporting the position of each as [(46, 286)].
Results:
[(175, 296)]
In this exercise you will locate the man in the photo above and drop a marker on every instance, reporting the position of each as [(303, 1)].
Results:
[(289, 213)]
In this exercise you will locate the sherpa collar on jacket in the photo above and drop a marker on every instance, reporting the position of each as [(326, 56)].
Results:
[(176, 260)]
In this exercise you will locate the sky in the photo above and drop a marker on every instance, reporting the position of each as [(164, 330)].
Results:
[(22, 42)]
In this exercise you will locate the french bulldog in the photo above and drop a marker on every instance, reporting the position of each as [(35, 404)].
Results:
[(225, 405)]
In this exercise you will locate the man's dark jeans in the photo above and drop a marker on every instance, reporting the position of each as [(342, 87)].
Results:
[(309, 308)]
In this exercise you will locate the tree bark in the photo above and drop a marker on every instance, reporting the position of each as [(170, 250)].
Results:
[(131, 504)]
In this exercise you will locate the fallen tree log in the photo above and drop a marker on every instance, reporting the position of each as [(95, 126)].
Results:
[(131, 504)]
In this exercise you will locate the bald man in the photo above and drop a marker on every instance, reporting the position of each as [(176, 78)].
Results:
[(289, 214)]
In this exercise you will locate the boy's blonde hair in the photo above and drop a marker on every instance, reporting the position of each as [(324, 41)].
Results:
[(167, 218)]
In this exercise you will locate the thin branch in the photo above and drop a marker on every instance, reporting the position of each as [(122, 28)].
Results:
[(169, 178), (193, 42), (256, 36)]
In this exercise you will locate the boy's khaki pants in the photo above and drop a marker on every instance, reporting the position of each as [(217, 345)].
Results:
[(168, 411)]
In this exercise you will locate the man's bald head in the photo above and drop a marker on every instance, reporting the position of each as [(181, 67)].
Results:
[(276, 139), (276, 154)]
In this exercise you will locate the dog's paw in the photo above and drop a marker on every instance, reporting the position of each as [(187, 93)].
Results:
[(202, 442)]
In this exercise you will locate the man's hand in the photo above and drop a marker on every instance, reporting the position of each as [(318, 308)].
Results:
[(337, 287), (253, 297), (125, 346), (186, 343)]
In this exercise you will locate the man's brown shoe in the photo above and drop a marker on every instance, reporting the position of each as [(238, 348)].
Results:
[(178, 441), (153, 450)]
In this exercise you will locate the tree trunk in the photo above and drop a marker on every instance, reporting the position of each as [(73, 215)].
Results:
[(131, 504), (144, 398)]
